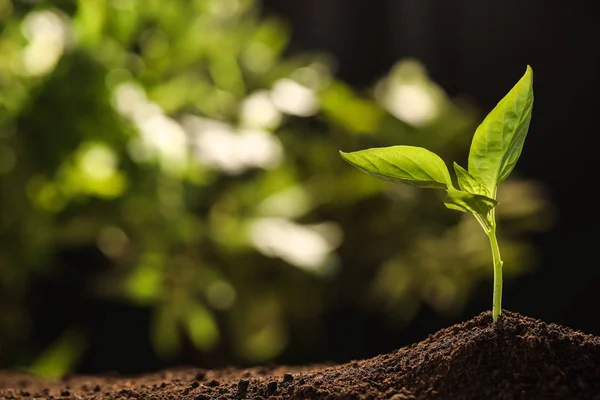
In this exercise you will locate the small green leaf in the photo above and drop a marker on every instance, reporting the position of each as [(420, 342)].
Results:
[(468, 182), (498, 141), (414, 166), (469, 202)]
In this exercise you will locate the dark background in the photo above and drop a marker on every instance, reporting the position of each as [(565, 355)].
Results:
[(477, 49)]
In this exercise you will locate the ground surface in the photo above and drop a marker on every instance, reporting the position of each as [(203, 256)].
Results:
[(519, 358)]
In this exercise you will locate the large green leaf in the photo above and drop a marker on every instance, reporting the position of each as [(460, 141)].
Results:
[(469, 202), (468, 182), (414, 166), (498, 141)]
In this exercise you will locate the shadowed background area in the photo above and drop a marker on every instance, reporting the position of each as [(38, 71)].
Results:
[(171, 190)]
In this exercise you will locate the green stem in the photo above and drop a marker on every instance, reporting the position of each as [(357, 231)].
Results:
[(497, 302), (483, 223)]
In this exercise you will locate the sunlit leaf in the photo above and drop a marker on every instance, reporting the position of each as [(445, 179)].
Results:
[(498, 141), (414, 166)]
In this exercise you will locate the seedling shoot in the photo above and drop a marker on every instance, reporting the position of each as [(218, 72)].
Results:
[(495, 149)]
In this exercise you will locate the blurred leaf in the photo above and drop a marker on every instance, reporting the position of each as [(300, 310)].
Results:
[(144, 285), (354, 114), (260, 331), (201, 327), (61, 356), (225, 71), (6, 9), (122, 23), (272, 34), (265, 343), (89, 21), (164, 331)]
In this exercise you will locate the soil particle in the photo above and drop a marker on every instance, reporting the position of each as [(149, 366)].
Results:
[(517, 358), (200, 375), (243, 386), (271, 388)]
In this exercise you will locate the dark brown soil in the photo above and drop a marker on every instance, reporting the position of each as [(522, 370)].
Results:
[(519, 358)]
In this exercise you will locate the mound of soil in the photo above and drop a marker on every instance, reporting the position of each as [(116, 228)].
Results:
[(518, 358)]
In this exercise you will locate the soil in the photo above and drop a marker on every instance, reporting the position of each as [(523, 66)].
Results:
[(518, 358)]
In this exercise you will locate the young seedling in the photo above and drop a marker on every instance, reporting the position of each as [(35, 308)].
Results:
[(495, 149)]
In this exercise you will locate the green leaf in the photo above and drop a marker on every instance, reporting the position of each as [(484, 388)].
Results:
[(468, 182), (498, 141), (414, 166), (469, 202), (201, 327)]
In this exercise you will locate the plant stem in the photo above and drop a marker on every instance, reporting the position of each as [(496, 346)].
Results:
[(497, 302)]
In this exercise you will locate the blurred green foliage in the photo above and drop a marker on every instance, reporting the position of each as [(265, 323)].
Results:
[(180, 140)]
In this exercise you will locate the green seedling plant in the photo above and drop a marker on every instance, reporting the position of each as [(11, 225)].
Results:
[(495, 149)]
